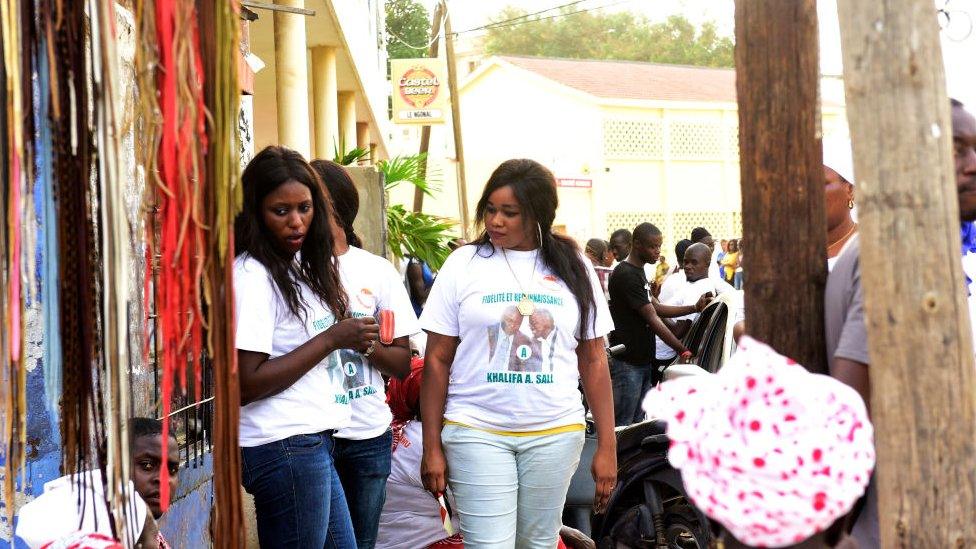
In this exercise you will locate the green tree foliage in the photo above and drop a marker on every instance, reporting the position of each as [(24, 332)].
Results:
[(406, 21), (621, 35)]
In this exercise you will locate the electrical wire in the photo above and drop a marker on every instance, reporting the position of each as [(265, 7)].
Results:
[(558, 15), (411, 46), (495, 23), (440, 24), (507, 22)]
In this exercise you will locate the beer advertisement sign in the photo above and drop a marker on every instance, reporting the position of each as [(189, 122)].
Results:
[(420, 93)]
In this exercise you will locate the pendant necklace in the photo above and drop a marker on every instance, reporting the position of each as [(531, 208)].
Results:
[(842, 239), (525, 306)]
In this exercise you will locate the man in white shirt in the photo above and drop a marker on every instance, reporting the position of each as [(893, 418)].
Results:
[(543, 334), (501, 338), (677, 278), (697, 260)]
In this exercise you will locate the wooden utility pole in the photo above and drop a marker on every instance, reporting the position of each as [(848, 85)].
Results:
[(923, 383), (435, 32), (783, 219), (462, 186)]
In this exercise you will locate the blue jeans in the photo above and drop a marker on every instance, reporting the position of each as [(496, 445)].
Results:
[(737, 280), (298, 498), (510, 490), (630, 383), (363, 466)]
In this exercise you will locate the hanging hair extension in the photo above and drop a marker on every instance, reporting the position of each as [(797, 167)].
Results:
[(115, 246), (12, 379), (76, 237), (223, 198), (343, 194), (317, 267), (179, 194)]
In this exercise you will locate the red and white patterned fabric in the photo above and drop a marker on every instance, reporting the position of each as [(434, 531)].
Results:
[(772, 452), (80, 540), (454, 542)]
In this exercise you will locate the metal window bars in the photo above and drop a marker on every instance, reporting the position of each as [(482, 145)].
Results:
[(191, 421)]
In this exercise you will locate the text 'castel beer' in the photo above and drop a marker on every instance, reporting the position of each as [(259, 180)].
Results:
[(419, 97)]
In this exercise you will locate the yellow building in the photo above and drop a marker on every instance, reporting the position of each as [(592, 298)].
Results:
[(323, 81), (628, 142)]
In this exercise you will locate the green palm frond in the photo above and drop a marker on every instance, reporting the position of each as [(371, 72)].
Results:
[(419, 235), (410, 169), (348, 158)]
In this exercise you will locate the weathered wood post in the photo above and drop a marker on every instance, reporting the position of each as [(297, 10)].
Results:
[(777, 82), (923, 387), (435, 32)]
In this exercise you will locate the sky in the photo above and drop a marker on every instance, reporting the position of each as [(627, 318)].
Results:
[(958, 40)]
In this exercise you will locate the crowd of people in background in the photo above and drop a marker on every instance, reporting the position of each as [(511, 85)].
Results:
[(353, 434), (653, 305)]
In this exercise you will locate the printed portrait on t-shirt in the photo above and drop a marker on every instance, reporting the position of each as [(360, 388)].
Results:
[(515, 345), (354, 370)]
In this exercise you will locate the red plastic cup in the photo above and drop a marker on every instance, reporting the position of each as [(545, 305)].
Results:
[(386, 326)]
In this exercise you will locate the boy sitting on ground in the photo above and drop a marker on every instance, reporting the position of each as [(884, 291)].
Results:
[(73, 507)]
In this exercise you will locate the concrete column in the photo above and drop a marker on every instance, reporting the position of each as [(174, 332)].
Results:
[(362, 135), (347, 119), (291, 78), (325, 92)]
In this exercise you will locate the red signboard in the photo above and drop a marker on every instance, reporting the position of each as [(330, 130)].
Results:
[(573, 182)]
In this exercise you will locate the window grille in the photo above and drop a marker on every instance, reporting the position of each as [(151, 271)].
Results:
[(633, 139), (191, 420), (642, 139), (697, 140)]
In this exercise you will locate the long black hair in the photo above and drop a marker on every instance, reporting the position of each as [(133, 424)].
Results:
[(535, 189), (345, 197), (317, 267)]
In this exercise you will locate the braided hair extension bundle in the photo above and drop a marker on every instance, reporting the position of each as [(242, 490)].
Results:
[(12, 273), (223, 198), (179, 201), (147, 135), (115, 245), (63, 23), (47, 216), (6, 398)]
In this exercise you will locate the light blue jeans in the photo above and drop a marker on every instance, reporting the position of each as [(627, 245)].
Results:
[(510, 490)]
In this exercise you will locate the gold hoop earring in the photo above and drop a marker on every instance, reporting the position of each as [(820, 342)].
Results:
[(850, 204), (539, 227)]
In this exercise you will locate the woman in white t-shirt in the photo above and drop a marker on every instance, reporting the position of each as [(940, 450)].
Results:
[(288, 298), (514, 320), (363, 449)]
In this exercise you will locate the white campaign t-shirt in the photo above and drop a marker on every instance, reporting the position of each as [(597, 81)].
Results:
[(672, 284), (314, 403), (411, 517), (510, 373), (688, 293), (372, 284)]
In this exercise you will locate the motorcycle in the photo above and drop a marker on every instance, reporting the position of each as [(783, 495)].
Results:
[(649, 507)]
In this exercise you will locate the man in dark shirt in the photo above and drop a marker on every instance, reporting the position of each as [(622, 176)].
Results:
[(635, 323)]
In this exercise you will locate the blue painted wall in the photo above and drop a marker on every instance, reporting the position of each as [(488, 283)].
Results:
[(43, 450), (187, 522)]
